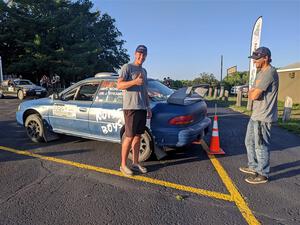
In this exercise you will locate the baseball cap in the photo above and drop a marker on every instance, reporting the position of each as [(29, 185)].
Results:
[(260, 52), (141, 49)]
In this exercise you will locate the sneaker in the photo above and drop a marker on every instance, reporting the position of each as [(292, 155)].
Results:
[(258, 179), (126, 171), (247, 170), (139, 168)]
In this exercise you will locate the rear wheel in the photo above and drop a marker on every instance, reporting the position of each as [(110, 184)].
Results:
[(145, 148), (34, 128), (20, 95)]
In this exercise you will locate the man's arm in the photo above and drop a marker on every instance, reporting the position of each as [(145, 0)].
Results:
[(254, 93), (123, 85)]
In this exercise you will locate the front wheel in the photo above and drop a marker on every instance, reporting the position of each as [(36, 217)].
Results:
[(146, 148), (34, 128)]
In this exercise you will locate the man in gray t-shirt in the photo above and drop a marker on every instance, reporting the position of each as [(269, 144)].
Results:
[(133, 81), (264, 95)]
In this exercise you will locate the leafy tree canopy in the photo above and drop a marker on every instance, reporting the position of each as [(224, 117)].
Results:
[(58, 37), (238, 78)]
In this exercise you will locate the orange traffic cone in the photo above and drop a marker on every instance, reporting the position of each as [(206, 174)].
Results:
[(214, 147)]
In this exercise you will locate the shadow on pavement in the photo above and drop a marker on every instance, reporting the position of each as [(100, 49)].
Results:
[(285, 170)]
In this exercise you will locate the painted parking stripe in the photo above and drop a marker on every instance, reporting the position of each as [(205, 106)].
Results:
[(185, 188), (237, 197)]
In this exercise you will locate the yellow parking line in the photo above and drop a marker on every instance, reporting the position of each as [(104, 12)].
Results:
[(185, 188), (237, 197)]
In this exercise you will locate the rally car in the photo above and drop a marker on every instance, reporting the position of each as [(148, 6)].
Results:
[(21, 88), (92, 108)]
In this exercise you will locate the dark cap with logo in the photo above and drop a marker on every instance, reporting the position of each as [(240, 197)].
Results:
[(261, 52), (141, 49)]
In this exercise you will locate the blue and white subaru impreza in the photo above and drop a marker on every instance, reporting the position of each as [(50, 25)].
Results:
[(92, 108)]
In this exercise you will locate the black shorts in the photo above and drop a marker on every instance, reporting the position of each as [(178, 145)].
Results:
[(135, 122)]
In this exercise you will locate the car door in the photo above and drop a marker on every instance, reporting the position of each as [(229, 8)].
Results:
[(11, 88), (70, 113), (106, 115)]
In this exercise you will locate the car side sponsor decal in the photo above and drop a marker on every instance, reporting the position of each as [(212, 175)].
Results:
[(68, 111), (114, 120)]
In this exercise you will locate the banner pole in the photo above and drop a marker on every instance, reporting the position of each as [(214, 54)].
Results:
[(1, 73)]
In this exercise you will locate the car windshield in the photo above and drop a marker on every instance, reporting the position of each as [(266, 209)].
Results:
[(23, 82), (157, 91)]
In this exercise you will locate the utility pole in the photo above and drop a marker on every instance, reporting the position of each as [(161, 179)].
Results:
[(1, 73), (221, 67)]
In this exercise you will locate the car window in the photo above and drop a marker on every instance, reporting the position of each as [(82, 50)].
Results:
[(157, 91), (69, 95), (109, 93), (87, 92), (23, 82)]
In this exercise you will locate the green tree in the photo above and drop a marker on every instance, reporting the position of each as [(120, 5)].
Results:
[(238, 78), (58, 37), (206, 78)]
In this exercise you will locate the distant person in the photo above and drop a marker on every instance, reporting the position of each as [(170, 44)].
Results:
[(136, 107), (45, 82), (169, 82), (165, 81), (55, 82), (264, 95)]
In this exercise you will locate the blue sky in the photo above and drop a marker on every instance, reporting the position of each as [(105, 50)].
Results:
[(186, 38)]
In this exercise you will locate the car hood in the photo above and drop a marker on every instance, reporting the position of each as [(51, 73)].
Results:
[(30, 86), (36, 102)]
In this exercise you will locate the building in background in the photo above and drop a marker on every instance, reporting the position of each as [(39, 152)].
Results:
[(289, 82)]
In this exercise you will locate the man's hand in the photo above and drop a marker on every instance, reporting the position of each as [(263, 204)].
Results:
[(149, 113), (123, 85), (139, 80)]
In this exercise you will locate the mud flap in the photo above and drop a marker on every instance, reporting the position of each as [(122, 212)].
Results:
[(48, 134), (159, 152)]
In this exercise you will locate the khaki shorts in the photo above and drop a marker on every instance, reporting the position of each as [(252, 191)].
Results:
[(135, 122)]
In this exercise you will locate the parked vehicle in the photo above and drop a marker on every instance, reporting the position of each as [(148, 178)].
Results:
[(21, 88), (243, 88), (92, 108)]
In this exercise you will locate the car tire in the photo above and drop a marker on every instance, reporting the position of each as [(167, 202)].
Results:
[(20, 95), (34, 128), (1, 95), (146, 148)]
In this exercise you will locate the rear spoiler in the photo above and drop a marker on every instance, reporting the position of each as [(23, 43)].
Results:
[(188, 95)]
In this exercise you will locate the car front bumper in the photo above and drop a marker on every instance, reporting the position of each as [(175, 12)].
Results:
[(36, 93), (178, 138), (19, 117)]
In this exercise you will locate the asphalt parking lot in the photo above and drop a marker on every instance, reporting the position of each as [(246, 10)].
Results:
[(76, 181)]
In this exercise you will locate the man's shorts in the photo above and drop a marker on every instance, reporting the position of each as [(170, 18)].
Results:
[(135, 122)]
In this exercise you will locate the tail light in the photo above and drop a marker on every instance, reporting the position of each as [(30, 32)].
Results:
[(181, 120)]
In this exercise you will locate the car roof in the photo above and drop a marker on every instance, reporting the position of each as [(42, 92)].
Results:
[(104, 76), (18, 79)]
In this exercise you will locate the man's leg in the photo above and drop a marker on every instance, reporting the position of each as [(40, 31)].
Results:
[(250, 145), (262, 148), (126, 145), (136, 148)]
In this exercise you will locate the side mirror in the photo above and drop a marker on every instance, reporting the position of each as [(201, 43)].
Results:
[(55, 96)]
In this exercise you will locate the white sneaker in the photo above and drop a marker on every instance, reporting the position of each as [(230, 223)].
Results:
[(139, 168), (126, 171)]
